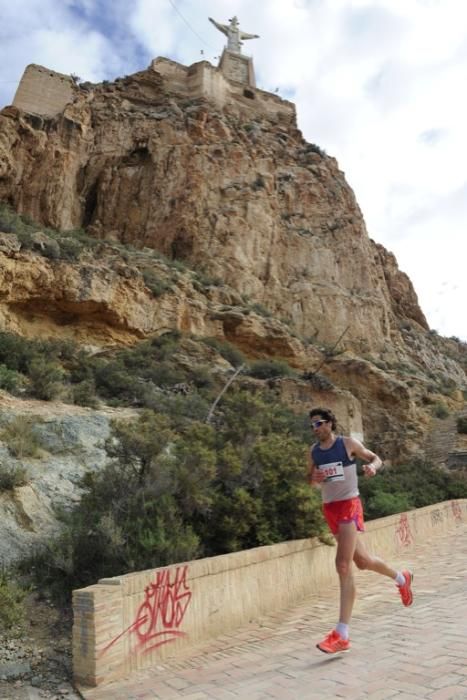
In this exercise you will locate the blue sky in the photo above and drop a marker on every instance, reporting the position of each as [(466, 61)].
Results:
[(379, 84)]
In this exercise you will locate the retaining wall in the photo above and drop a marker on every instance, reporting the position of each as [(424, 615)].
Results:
[(130, 622)]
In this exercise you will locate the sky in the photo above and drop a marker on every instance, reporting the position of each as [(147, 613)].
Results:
[(378, 84)]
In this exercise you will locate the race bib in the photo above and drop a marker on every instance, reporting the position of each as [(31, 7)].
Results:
[(334, 471)]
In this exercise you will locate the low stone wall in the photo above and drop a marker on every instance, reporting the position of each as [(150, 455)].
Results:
[(131, 622)]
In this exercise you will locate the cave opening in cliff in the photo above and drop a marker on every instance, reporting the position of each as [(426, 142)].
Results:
[(90, 205)]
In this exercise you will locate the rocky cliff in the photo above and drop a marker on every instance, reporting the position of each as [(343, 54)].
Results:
[(275, 254), (238, 194)]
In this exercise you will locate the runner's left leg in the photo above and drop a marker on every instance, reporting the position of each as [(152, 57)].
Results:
[(364, 560), (346, 543)]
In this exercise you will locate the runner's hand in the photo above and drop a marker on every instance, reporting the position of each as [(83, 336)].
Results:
[(317, 477), (369, 470)]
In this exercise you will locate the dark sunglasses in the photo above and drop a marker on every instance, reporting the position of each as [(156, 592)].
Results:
[(317, 423)]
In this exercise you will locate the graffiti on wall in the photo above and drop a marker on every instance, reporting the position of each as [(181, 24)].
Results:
[(436, 517), (161, 613), (164, 606), (403, 532)]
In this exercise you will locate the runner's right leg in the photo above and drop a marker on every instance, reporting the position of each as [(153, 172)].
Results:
[(346, 543)]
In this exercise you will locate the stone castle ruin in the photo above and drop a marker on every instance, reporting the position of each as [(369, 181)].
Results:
[(45, 92)]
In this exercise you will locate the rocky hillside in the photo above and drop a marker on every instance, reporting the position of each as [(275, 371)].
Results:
[(241, 196), (239, 229)]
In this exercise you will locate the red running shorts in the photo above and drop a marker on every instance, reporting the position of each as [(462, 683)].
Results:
[(348, 511)]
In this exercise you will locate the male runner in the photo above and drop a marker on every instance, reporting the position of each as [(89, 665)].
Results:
[(333, 469)]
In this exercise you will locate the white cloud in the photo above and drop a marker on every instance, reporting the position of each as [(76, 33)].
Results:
[(377, 83), (152, 23)]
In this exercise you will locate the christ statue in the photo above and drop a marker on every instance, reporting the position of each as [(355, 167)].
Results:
[(233, 33)]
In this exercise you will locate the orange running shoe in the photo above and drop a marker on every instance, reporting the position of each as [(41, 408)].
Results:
[(406, 589), (333, 643)]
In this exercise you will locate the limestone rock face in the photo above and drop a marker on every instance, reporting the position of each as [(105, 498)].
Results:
[(236, 193), (240, 230), (72, 440)]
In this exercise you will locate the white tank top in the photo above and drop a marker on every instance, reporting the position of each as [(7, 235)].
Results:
[(341, 480)]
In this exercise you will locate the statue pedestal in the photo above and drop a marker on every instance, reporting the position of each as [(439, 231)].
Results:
[(235, 66)]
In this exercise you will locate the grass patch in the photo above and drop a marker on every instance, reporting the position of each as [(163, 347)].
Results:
[(21, 438), (48, 242)]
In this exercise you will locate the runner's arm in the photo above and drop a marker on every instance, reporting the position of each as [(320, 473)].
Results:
[(356, 449)]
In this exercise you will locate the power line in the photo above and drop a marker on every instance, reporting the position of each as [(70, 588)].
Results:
[(189, 25)]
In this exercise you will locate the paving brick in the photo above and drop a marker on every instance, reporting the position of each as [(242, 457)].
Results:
[(397, 653), (452, 692), (382, 694)]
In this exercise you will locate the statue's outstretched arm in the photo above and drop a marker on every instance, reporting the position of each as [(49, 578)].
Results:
[(221, 27), (248, 36)]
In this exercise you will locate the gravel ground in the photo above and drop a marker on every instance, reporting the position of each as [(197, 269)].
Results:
[(35, 659)]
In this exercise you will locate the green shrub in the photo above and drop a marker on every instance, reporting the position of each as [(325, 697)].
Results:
[(269, 369), (318, 381), (7, 220), (154, 283), (462, 424), (329, 350), (66, 245), (11, 381), (46, 378), (440, 410), (69, 249), (21, 438), (180, 409), (16, 352), (383, 503), (132, 375), (228, 351), (261, 310), (12, 476), (204, 281), (415, 484), (313, 148), (179, 489), (113, 380), (201, 377), (165, 373), (12, 610), (84, 394)]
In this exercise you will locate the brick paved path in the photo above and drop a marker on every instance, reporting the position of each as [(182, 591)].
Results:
[(400, 653)]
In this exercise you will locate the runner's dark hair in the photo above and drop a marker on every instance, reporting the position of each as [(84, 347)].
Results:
[(324, 413)]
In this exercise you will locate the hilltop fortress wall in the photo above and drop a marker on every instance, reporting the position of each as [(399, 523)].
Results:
[(222, 86), (45, 92)]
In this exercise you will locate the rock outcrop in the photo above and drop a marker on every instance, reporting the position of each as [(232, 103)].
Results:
[(237, 194), (252, 234), (71, 445)]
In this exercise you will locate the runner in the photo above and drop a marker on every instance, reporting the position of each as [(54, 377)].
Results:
[(334, 471)]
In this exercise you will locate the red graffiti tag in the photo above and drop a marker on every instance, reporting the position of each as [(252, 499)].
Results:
[(162, 611), (457, 511), (403, 532)]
